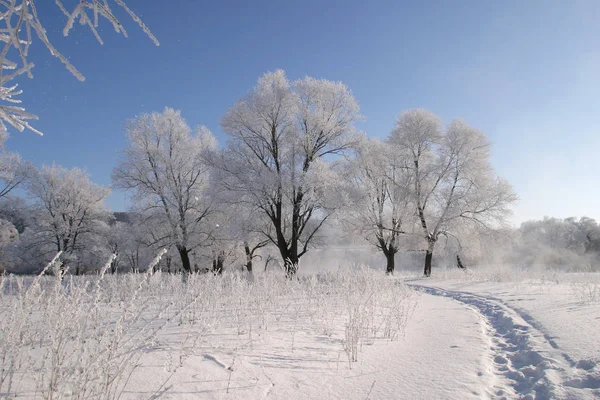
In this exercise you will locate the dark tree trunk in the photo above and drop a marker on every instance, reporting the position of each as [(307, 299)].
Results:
[(290, 262), (459, 263), (248, 257), (288, 249), (185, 259), (290, 258), (389, 256), (428, 256)]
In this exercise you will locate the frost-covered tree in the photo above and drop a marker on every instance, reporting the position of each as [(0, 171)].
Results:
[(591, 230), (8, 234), (453, 184), (244, 223), (280, 135), (554, 233), (16, 210), (129, 238), (164, 168), (13, 172), (380, 209), (579, 236), (250, 231), (69, 210), (20, 24), (248, 228)]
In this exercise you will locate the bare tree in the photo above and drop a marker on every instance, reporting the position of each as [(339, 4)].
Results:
[(164, 168), (21, 24), (380, 206), (452, 181), (280, 134)]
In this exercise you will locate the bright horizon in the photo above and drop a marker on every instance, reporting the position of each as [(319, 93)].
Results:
[(525, 74)]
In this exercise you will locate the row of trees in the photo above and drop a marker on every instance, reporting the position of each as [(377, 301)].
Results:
[(294, 162), (425, 182), (569, 242)]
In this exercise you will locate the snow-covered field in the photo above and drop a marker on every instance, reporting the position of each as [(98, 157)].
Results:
[(352, 334)]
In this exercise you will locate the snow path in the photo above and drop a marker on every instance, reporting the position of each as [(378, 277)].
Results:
[(528, 361)]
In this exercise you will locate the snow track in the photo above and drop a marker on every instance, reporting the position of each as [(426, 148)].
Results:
[(527, 362)]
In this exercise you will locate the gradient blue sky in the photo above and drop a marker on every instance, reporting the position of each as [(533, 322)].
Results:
[(525, 72)]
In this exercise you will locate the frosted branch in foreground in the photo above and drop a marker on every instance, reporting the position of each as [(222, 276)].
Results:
[(19, 23)]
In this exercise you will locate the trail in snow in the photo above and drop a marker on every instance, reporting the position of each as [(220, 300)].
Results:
[(529, 363)]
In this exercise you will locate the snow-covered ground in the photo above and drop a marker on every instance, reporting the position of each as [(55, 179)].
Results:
[(542, 336), (457, 336), (429, 360)]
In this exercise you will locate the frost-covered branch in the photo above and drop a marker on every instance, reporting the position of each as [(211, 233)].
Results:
[(20, 23)]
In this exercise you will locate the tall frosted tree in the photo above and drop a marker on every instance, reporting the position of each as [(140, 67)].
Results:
[(165, 170), (280, 135), (452, 183)]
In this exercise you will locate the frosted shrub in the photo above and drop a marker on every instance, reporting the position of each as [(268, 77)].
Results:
[(64, 338), (377, 307), (87, 336), (586, 288)]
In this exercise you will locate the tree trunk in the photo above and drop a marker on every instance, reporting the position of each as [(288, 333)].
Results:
[(218, 263), (459, 263), (389, 256), (428, 257), (248, 257), (290, 260), (185, 259)]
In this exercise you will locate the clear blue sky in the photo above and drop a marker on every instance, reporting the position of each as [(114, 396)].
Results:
[(525, 72)]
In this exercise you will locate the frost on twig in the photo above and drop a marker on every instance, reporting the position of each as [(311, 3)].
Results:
[(19, 23)]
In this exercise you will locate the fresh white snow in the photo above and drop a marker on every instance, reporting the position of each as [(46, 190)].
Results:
[(542, 338), (458, 336)]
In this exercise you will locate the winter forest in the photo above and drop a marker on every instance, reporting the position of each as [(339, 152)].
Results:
[(297, 256)]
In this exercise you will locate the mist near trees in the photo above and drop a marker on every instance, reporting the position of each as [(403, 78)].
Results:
[(295, 174)]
